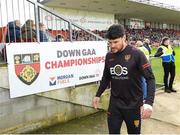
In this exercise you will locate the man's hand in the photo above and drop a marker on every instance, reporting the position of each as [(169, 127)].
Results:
[(96, 102), (146, 111)]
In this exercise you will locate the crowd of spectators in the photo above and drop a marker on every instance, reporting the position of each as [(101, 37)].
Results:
[(152, 34), (27, 33), (155, 35)]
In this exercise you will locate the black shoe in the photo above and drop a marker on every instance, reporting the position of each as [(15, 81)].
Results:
[(167, 91), (172, 90)]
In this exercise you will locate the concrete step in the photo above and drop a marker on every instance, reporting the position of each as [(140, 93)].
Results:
[(4, 82), (4, 95)]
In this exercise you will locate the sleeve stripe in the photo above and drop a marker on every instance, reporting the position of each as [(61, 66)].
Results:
[(145, 65)]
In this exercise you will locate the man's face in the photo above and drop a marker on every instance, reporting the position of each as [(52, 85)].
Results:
[(167, 42), (116, 44), (43, 28), (18, 23)]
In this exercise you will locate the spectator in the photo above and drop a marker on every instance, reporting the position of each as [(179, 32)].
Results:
[(43, 33), (28, 31), (138, 44), (146, 44), (13, 31), (59, 38), (142, 47)]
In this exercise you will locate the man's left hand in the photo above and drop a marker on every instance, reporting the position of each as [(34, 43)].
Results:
[(146, 111)]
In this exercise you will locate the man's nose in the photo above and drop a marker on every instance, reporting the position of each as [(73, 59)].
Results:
[(112, 45)]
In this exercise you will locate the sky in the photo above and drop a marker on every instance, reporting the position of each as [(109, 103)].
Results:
[(175, 3)]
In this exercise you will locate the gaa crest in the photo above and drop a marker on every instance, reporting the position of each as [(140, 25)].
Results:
[(127, 57), (27, 67)]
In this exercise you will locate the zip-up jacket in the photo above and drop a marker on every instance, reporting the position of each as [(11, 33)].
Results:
[(124, 70)]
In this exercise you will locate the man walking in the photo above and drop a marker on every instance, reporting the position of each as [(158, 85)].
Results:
[(124, 67)]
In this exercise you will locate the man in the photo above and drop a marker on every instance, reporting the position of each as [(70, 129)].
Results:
[(28, 31), (145, 50), (43, 33), (146, 44), (13, 32), (167, 54), (124, 67)]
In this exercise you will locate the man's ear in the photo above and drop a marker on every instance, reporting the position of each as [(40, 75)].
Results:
[(124, 38)]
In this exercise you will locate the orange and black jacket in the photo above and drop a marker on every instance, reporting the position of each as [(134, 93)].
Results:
[(125, 70)]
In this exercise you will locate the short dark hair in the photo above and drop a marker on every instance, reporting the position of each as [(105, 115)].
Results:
[(115, 31), (164, 39)]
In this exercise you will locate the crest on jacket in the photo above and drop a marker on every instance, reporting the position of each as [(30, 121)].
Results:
[(127, 57)]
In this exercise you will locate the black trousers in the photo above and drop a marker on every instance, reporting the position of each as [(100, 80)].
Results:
[(169, 69), (116, 116)]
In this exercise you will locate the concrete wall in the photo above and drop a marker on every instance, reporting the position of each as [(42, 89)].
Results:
[(4, 82), (20, 115), (81, 95)]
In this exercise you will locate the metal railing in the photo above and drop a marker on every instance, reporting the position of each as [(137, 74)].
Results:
[(30, 21), (70, 31), (157, 68)]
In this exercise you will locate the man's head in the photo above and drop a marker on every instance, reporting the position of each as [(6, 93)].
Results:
[(18, 23), (146, 40), (165, 41), (42, 27), (116, 38), (139, 43)]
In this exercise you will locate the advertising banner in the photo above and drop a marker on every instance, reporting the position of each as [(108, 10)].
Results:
[(40, 67)]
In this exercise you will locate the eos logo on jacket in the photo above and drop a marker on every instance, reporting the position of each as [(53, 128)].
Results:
[(118, 70)]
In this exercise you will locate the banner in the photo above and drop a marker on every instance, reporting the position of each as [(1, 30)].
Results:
[(35, 68), (87, 19)]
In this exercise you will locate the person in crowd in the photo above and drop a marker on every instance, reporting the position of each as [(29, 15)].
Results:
[(59, 38), (43, 33), (146, 44), (124, 67), (144, 47), (28, 31), (153, 34), (145, 50), (166, 52), (13, 31), (138, 43)]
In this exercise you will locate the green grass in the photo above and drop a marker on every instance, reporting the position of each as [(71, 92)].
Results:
[(158, 69), (177, 50)]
